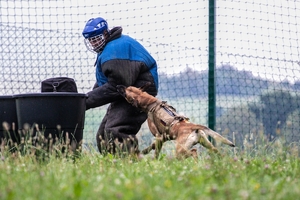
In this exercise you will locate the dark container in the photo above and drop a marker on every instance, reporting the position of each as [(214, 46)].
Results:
[(8, 115), (50, 110)]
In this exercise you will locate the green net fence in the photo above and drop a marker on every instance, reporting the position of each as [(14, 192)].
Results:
[(257, 57)]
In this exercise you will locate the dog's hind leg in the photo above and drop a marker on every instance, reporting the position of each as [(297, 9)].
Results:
[(203, 140), (184, 144), (218, 137), (187, 142)]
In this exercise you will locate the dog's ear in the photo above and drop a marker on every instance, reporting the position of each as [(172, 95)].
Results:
[(144, 87)]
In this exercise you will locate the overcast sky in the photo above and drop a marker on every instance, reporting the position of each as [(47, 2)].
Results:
[(259, 36)]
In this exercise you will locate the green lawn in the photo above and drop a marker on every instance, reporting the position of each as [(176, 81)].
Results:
[(270, 173)]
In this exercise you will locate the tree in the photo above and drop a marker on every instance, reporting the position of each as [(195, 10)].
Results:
[(240, 121), (274, 109)]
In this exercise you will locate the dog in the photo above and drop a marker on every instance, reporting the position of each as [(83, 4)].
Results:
[(166, 124)]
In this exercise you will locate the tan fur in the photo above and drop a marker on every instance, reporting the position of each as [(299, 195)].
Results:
[(185, 133)]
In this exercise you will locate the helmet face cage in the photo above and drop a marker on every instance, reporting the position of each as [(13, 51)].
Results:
[(95, 44)]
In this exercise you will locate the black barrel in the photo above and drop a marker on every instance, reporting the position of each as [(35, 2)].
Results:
[(8, 118), (50, 110)]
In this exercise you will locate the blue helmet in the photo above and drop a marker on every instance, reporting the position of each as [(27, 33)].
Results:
[(94, 26), (95, 33)]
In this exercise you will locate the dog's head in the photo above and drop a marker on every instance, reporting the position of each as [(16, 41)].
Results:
[(136, 96)]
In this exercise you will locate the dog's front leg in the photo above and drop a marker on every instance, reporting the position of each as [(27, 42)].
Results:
[(149, 148), (151, 126), (157, 144)]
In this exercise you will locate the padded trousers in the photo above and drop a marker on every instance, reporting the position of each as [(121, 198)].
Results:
[(118, 129)]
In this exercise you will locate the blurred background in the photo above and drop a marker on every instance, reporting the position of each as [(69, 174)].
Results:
[(257, 73)]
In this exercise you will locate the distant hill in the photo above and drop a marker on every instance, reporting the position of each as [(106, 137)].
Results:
[(229, 81)]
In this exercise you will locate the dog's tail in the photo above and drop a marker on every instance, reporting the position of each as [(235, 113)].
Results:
[(218, 137)]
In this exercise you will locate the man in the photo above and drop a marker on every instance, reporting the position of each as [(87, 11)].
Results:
[(121, 60)]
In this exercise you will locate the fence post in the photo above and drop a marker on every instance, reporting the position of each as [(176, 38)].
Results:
[(211, 66)]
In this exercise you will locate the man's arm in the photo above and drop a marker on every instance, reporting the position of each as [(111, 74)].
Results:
[(102, 95)]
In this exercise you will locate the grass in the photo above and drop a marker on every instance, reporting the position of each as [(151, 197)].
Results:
[(263, 173)]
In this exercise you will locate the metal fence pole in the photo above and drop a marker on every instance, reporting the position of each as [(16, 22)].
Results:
[(211, 66)]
